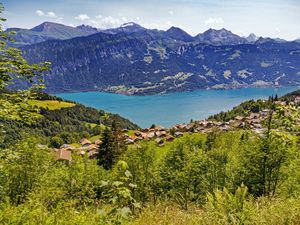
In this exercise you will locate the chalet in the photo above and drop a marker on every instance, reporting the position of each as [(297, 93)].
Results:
[(203, 123), (241, 124), (138, 133), (92, 147), (159, 141), (98, 142), (151, 135), (134, 138), (129, 141), (254, 121), (93, 154), (178, 134), (209, 124), (225, 128), (265, 112), (297, 99), (218, 124), (160, 133), (253, 116), (159, 128), (257, 126), (239, 118), (67, 147), (181, 127), (144, 136), (189, 127), (200, 129), (63, 155), (85, 142), (169, 138)]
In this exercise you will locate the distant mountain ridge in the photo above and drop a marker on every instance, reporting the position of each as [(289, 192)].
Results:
[(49, 31), (54, 31), (152, 61), (220, 37), (179, 34)]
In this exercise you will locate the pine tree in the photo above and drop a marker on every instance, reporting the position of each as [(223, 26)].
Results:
[(113, 145)]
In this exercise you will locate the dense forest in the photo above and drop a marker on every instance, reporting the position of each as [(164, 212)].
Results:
[(63, 124), (232, 177)]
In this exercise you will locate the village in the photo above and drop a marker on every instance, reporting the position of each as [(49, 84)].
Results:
[(160, 135)]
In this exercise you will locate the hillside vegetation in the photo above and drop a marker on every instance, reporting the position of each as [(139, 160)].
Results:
[(51, 104), (212, 176), (66, 122)]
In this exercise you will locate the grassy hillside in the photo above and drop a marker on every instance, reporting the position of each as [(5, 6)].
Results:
[(68, 121), (51, 104)]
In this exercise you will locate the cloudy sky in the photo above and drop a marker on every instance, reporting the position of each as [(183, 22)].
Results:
[(268, 18)]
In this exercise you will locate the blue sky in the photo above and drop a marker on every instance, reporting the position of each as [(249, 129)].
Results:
[(272, 18)]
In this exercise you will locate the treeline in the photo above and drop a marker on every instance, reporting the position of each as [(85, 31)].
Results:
[(245, 108), (65, 125)]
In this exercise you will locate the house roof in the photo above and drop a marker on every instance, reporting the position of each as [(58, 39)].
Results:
[(85, 141), (63, 155)]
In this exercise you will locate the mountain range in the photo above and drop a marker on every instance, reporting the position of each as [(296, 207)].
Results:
[(49, 31), (132, 60), (54, 31)]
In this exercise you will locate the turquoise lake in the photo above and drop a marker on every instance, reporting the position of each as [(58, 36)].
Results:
[(173, 108)]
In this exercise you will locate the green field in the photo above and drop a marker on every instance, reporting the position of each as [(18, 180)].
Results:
[(51, 104)]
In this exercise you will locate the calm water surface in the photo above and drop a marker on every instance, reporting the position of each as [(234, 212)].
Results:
[(173, 108)]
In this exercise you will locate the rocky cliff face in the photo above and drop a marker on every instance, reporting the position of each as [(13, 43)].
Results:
[(152, 61)]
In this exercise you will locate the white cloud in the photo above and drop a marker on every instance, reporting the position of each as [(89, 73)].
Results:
[(162, 25), (171, 12), (40, 13), (108, 22), (215, 21), (51, 15), (82, 17), (99, 16)]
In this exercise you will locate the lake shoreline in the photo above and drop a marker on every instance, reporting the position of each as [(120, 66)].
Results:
[(170, 92), (172, 108)]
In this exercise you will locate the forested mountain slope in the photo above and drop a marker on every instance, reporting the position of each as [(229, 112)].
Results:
[(151, 62), (56, 118)]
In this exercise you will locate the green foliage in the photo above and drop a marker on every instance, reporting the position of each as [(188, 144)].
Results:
[(142, 161), (183, 170), (113, 145), (56, 142), (243, 109), (228, 208), (51, 123), (14, 66), (120, 193), (23, 168)]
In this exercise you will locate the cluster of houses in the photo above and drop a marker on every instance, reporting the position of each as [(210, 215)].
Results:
[(64, 153), (161, 135)]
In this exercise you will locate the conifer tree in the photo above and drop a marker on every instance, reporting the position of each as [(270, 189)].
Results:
[(113, 145)]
